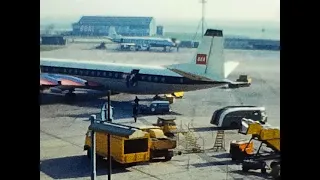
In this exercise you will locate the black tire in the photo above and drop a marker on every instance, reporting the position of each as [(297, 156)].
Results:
[(168, 157), (275, 171), (272, 164), (244, 169)]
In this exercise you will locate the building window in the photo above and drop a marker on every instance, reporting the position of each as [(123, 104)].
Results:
[(65, 70), (116, 75), (181, 80), (163, 79), (98, 73), (143, 77), (87, 72), (156, 79), (110, 74), (81, 72), (149, 78), (70, 71), (92, 73)]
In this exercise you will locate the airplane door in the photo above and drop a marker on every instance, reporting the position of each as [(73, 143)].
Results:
[(132, 78)]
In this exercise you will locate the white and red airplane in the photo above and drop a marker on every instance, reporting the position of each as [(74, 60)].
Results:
[(206, 70)]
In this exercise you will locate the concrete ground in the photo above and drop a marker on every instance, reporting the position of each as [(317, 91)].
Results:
[(63, 125)]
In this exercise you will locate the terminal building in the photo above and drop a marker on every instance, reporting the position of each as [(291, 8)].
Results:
[(125, 26)]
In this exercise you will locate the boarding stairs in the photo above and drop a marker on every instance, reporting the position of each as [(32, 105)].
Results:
[(219, 144)]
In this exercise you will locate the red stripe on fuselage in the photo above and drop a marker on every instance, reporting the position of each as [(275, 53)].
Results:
[(47, 83), (67, 82)]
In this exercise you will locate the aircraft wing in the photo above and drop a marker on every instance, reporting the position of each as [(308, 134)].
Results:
[(65, 82)]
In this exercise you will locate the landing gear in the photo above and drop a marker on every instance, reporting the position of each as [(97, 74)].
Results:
[(70, 95), (157, 97)]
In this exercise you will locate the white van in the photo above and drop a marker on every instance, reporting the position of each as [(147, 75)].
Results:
[(231, 116)]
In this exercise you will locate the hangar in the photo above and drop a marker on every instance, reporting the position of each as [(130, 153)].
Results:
[(126, 26)]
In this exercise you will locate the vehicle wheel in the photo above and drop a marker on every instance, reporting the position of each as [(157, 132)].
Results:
[(272, 164), (275, 171), (244, 169), (168, 157), (234, 125)]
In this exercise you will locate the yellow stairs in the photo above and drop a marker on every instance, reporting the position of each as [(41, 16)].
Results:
[(219, 143)]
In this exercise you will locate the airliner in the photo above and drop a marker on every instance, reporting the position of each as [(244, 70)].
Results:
[(206, 69), (141, 43)]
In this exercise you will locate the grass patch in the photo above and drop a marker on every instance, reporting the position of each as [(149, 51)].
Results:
[(49, 47)]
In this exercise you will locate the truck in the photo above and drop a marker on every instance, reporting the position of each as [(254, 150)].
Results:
[(130, 144), (231, 116), (265, 134), (155, 107)]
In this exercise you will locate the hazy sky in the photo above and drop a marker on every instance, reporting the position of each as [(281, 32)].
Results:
[(262, 10)]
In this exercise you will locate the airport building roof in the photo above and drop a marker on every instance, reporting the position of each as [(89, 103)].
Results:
[(115, 20)]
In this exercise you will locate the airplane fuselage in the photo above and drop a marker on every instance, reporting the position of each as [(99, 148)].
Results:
[(126, 78), (149, 41)]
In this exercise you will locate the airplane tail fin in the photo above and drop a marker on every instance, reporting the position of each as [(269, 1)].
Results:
[(113, 33), (208, 62)]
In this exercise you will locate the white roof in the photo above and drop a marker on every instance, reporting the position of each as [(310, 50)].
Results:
[(165, 102), (105, 66)]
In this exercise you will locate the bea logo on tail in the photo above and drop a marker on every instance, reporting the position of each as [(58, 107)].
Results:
[(201, 59)]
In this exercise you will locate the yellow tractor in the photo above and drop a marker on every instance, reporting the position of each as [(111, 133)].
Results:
[(167, 125), (161, 145)]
